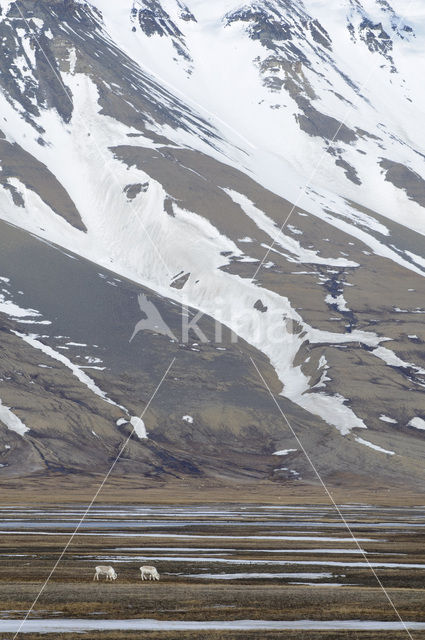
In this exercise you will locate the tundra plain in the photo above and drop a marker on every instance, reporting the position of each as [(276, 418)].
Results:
[(220, 564)]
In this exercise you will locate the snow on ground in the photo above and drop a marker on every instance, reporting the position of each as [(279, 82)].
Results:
[(18, 313), (201, 289), (319, 206), (300, 537), (284, 452), (33, 322), (139, 427), (366, 443), (417, 423), (299, 254), (114, 241), (390, 358), (75, 369), (339, 301), (261, 576), (271, 562), (188, 419), (213, 551), (387, 419), (376, 101), (64, 625), (12, 421), (15, 311)]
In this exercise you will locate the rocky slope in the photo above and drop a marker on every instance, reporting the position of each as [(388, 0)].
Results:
[(259, 162)]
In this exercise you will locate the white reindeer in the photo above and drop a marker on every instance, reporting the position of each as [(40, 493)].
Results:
[(105, 570), (149, 573)]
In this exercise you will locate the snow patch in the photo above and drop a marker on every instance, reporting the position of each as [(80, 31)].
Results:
[(139, 427), (366, 443), (13, 310), (417, 423), (76, 371), (339, 301), (267, 225), (12, 421), (390, 358)]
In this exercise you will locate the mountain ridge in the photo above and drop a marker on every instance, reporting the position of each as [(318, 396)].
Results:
[(279, 200)]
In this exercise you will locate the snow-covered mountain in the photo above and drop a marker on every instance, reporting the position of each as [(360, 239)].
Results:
[(260, 162)]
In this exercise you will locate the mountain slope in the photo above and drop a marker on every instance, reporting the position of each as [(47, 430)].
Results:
[(235, 159)]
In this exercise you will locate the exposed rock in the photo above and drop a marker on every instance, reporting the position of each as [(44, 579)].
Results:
[(294, 80), (404, 178), (17, 163), (154, 20), (133, 190), (349, 170), (316, 123), (260, 306)]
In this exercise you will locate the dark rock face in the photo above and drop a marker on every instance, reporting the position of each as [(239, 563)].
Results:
[(280, 27), (294, 81), (168, 206), (180, 281), (186, 14), (154, 20), (318, 124), (51, 87), (349, 170), (133, 190), (37, 83), (375, 36), (404, 178), (277, 25), (398, 25), (265, 26), (260, 306), (15, 162), (320, 35)]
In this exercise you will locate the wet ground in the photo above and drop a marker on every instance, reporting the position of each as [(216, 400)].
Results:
[(226, 572)]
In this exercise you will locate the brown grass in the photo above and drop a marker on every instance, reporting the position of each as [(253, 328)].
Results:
[(48, 489)]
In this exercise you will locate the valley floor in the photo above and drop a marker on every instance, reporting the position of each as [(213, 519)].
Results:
[(56, 488), (220, 565)]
